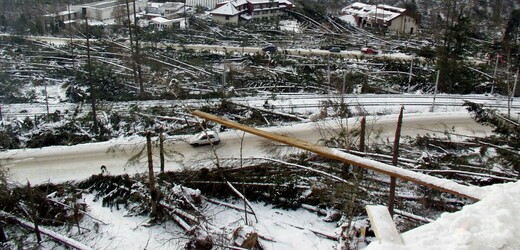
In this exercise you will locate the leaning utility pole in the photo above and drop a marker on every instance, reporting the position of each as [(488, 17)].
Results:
[(91, 83)]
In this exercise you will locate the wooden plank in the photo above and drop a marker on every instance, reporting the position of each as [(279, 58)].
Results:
[(444, 185), (383, 225)]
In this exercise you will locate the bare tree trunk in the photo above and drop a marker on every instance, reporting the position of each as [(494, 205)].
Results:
[(67, 242), (3, 238), (137, 55), (34, 213), (132, 54), (242, 165), (362, 134), (153, 191), (76, 215), (393, 180), (91, 83), (161, 151)]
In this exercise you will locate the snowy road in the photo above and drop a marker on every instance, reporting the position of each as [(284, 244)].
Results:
[(63, 163), (223, 49)]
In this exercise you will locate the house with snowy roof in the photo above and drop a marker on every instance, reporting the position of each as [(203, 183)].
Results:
[(243, 10), (167, 10), (104, 10), (381, 15), (208, 4), (161, 23)]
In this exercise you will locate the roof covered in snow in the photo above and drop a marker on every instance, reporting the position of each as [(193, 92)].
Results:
[(285, 2), (161, 20), (259, 1), (381, 11), (226, 10), (238, 2)]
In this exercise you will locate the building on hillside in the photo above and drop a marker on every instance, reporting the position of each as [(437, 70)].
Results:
[(208, 4), (242, 10), (167, 10), (62, 17), (161, 23), (393, 18), (105, 10)]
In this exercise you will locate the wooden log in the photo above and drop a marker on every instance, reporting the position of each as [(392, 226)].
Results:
[(421, 179), (53, 235)]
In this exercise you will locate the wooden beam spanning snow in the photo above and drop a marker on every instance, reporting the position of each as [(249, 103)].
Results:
[(444, 185)]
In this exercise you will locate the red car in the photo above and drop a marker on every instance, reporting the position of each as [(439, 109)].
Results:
[(369, 51)]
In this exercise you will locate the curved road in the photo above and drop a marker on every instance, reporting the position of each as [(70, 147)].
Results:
[(67, 163)]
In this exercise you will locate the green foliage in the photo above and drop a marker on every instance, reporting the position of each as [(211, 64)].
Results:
[(9, 138), (11, 90), (512, 30), (492, 118), (451, 55), (508, 135), (412, 9), (108, 86), (116, 191)]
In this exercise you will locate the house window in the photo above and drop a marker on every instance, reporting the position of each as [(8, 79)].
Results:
[(227, 17)]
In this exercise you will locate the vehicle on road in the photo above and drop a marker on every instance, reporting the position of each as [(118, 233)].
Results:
[(335, 49), (369, 51), (205, 137), (270, 48)]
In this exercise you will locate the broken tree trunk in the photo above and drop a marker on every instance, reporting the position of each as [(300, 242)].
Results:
[(79, 211), (393, 179), (53, 235), (34, 213), (153, 191), (132, 54), (91, 81), (3, 238), (243, 198), (161, 151), (444, 185), (270, 111), (137, 52), (362, 133)]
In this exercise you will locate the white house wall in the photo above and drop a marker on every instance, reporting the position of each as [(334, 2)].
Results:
[(403, 24), (270, 13), (103, 14), (222, 19)]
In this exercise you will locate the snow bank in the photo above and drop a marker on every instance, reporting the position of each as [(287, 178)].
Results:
[(491, 223)]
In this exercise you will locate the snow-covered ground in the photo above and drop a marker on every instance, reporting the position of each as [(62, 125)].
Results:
[(66, 163), (491, 223), (280, 229)]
